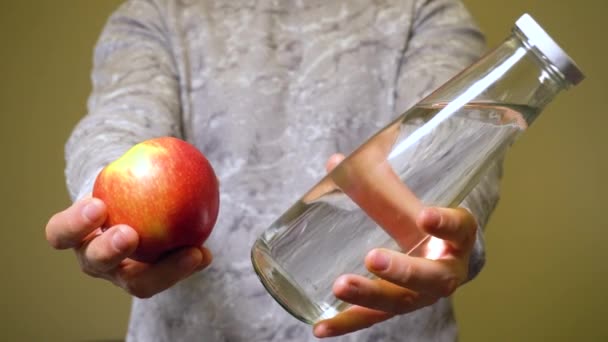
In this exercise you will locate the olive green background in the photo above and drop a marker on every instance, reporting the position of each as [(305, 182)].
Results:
[(544, 279)]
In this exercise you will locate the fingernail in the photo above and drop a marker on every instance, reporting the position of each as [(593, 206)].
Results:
[(206, 259), (119, 240), (353, 289), (450, 287), (433, 217), (92, 210), (190, 260), (380, 261), (322, 330), (202, 265)]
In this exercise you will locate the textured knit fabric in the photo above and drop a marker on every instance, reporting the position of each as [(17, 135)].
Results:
[(267, 90)]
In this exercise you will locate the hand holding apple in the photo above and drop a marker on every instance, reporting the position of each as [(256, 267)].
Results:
[(108, 254), (166, 190)]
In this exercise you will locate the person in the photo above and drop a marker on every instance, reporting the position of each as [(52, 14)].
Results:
[(268, 91)]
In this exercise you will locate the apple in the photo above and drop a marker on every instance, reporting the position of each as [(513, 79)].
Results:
[(166, 190)]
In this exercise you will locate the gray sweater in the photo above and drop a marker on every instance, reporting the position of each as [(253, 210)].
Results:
[(267, 90)]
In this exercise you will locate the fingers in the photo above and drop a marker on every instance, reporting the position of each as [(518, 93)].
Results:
[(456, 226), (380, 295), (107, 250), (145, 280), (333, 161), (438, 278), (68, 228), (105, 255), (406, 283), (352, 319)]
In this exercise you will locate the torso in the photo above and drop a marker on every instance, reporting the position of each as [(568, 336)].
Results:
[(270, 89)]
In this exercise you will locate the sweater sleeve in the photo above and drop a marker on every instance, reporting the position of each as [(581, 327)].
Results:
[(444, 41), (135, 94)]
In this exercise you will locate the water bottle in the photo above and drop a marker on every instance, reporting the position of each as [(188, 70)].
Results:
[(433, 154)]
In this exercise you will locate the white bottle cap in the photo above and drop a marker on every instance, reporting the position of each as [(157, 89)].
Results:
[(538, 38)]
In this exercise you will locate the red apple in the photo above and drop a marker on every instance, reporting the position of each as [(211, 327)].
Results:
[(166, 190)]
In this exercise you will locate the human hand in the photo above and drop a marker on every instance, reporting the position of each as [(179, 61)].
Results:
[(105, 254), (405, 283)]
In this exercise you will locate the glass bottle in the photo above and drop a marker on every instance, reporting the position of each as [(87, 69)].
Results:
[(433, 154)]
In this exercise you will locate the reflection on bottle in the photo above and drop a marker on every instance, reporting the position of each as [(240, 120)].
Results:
[(343, 215)]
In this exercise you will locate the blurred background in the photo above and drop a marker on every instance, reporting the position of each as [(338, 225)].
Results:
[(544, 278)]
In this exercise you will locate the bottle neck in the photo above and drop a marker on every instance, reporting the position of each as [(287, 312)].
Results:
[(513, 74), (550, 81)]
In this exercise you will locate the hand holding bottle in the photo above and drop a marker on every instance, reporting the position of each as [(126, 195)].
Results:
[(405, 283)]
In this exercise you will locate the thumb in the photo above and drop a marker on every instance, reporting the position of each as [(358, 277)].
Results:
[(333, 161)]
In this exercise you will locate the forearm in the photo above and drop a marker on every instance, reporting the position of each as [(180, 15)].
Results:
[(445, 41), (135, 95), (103, 137)]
